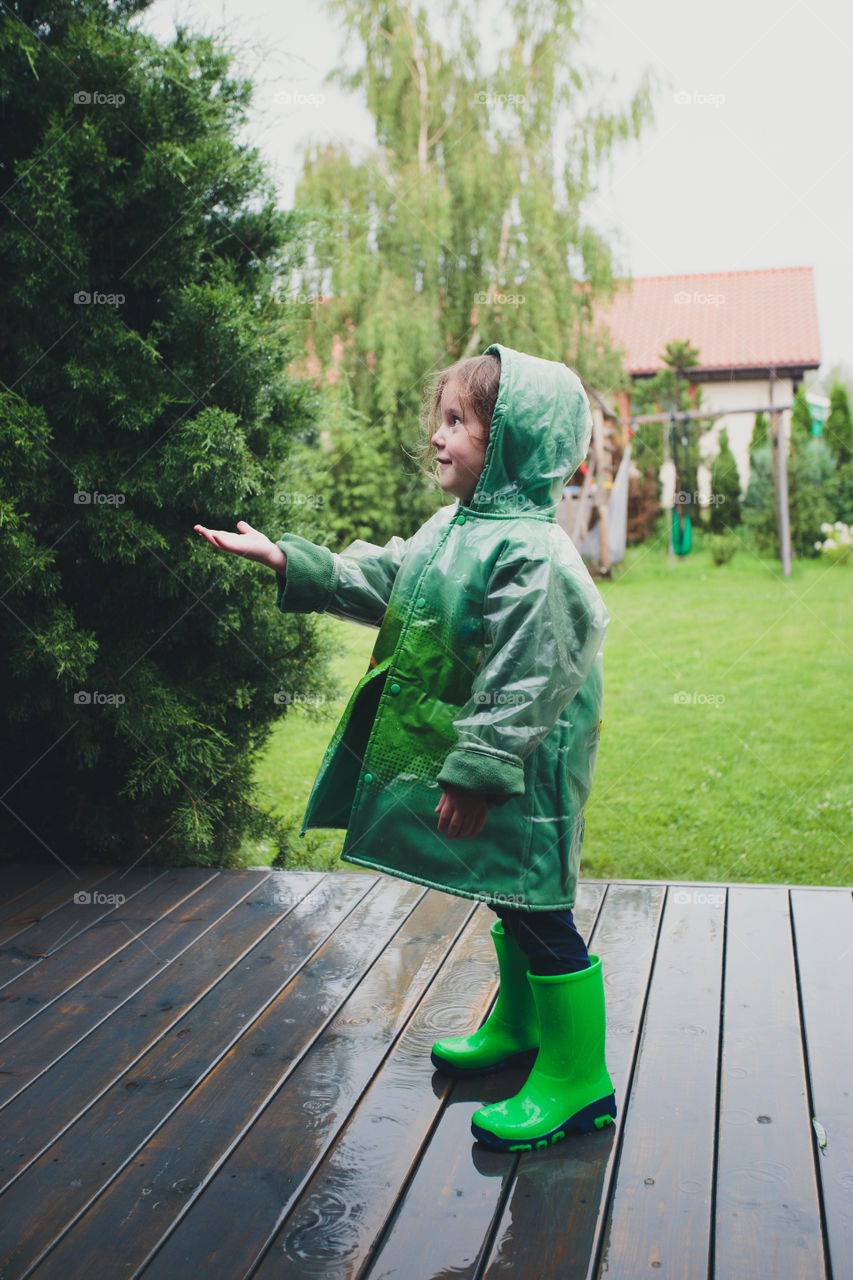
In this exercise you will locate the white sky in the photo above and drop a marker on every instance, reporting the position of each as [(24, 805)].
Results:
[(753, 171)]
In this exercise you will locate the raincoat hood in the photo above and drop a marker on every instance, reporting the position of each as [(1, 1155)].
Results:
[(539, 435)]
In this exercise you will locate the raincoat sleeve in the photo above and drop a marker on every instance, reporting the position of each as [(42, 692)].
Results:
[(355, 583), (544, 624)]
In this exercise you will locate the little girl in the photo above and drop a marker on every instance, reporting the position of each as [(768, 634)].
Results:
[(481, 705)]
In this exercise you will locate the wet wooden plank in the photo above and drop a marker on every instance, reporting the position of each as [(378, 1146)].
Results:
[(660, 1218), (39, 1046), (86, 908), (263, 1174), (19, 878), (34, 1049), (246, 951), (447, 1210), (554, 1215), (336, 1221), (153, 1191), (823, 929), (352, 1158), (41, 901), (35, 989), (767, 1211), (67, 1177), (456, 1177)]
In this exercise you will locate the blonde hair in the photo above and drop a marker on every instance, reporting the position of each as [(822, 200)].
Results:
[(478, 379)]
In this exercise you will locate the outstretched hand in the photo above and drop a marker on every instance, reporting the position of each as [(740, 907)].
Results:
[(460, 812), (248, 543)]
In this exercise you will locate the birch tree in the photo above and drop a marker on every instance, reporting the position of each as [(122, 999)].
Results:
[(464, 225)]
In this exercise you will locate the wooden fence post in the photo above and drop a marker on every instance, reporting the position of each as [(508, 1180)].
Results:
[(779, 448)]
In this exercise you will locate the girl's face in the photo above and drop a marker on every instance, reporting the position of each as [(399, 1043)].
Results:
[(460, 446)]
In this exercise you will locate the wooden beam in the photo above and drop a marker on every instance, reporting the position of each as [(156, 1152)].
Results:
[(779, 449), (707, 413)]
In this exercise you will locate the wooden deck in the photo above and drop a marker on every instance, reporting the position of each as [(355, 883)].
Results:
[(227, 1073)]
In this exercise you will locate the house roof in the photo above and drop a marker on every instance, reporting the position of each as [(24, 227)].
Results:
[(738, 320)]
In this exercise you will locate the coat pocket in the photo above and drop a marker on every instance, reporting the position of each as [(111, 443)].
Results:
[(330, 802)]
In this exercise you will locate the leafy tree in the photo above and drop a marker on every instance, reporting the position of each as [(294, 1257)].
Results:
[(142, 389), (463, 226), (801, 418), (810, 471), (681, 355), (844, 493), (759, 504), (667, 391), (838, 428), (344, 481), (760, 433), (812, 497), (812, 492), (725, 488)]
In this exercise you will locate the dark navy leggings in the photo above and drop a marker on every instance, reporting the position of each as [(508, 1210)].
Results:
[(549, 939)]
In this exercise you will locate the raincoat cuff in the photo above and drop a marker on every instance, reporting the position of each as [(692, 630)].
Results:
[(307, 584), (498, 776)]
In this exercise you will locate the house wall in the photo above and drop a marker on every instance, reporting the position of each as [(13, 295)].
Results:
[(748, 392), (733, 394)]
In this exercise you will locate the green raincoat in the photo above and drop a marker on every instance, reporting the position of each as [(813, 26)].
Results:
[(486, 673)]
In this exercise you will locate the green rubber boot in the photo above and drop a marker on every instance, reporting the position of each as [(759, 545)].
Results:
[(569, 1087), (510, 1035)]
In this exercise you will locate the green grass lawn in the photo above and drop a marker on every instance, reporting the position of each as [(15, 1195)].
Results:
[(289, 765), (725, 751)]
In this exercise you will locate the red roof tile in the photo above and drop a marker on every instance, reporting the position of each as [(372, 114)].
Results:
[(736, 319)]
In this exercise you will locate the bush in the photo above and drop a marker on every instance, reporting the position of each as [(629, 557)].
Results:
[(837, 546), (812, 496), (140, 666), (760, 433), (844, 493), (725, 489), (722, 547), (759, 504), (838, 428), (811, 492)]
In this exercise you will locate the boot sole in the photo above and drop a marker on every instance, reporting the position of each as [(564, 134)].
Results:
[(598, 1115), (525, 1058)]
